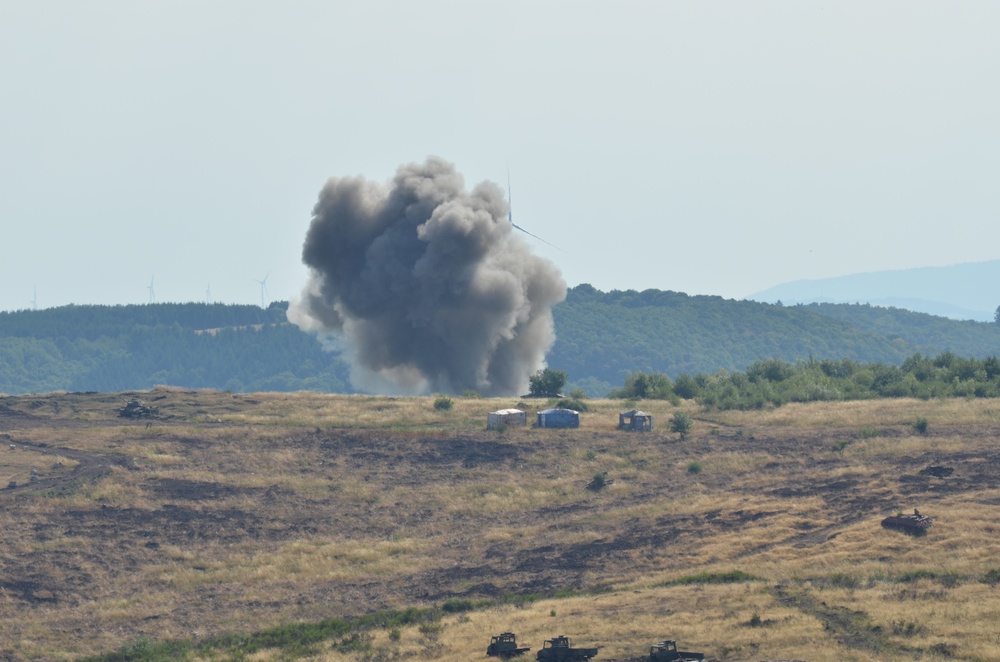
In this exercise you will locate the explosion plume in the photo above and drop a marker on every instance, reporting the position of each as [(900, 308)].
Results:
[(427, 284)]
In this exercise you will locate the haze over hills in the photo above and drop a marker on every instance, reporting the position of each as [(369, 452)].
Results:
[(961, 291)]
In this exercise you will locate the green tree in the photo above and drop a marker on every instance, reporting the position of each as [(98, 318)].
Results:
[(547, 383), (681, 424)]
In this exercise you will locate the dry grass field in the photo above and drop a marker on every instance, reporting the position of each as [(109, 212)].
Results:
[(757, 537)]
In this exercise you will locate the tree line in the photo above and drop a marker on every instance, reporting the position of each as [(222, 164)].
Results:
[(774, 382)]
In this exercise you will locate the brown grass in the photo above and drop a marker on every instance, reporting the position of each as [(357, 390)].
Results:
[(240, 512)]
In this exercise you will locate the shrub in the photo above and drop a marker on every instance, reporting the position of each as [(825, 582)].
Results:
[(442, 403), (920, 425), (992, 577), (680, 423), (574, 404), (694, 467), (598, 482)]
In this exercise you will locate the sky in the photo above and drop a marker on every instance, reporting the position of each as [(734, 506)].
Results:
[(173, 150)]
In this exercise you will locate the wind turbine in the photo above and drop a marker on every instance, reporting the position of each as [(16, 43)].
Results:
[(152, 294), (208, 293), (263, 288), (34, 299), (510, 215)]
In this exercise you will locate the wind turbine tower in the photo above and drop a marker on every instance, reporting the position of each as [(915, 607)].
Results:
[(263, 289), (152, 294)]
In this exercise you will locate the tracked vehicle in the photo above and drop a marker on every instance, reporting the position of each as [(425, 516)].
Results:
[(504, 645), (136, 408), (915, 524), (560, 649)]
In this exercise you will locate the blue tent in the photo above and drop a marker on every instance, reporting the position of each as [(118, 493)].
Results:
[(558, 418)]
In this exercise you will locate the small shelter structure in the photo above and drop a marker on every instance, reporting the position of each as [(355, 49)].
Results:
[(558, 418), (635, 420), (506, 418)]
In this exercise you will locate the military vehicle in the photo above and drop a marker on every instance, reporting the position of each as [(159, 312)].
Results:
[(666, 650), (915, 524), (505, 645), (559, 649), (136, 408)]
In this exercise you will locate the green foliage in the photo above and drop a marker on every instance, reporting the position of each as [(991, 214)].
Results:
[(774, 382), (992, 577), (598, 482), (680, 423), (643, 386), (572, 403), (116, 348), (694, 467), (920, 425), (607, 336), (294, 639), (546, 383), (442, 403)]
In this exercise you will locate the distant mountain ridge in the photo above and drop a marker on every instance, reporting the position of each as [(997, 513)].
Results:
[(969, 291)]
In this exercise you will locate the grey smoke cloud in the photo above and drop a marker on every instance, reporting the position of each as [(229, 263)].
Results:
[(427, 284)]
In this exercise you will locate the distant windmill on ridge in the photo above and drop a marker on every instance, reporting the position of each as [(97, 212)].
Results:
[(510, 215), (34, 299), (152, 294), (263, 289)]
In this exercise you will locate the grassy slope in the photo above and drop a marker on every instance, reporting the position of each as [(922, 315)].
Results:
[(236, 513)]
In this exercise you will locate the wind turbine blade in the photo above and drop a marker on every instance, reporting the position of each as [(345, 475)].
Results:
[(510, 216)]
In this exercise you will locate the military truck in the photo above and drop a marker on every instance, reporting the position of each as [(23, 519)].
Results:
[(560, 649), (504, 645), (666, 651)]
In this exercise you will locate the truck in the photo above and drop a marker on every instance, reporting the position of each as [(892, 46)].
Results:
[(504, 645), (561, 649), (666, 651)]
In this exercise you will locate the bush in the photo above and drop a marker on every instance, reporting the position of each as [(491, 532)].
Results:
[(573, 403), (681, 424), (920, 425), (694, 467), (442, 403)]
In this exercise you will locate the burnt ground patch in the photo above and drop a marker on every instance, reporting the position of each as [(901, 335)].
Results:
[(178, 489), (365, 450)]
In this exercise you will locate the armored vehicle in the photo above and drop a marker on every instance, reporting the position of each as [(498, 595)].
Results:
[(559, 649), (666, 650), (136, 408), (915, 524), (505, 645)]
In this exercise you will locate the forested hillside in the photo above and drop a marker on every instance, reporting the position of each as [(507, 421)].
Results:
[(602, 338), (114, 348)]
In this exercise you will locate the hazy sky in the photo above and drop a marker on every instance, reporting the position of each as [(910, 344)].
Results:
[(705, 147)]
